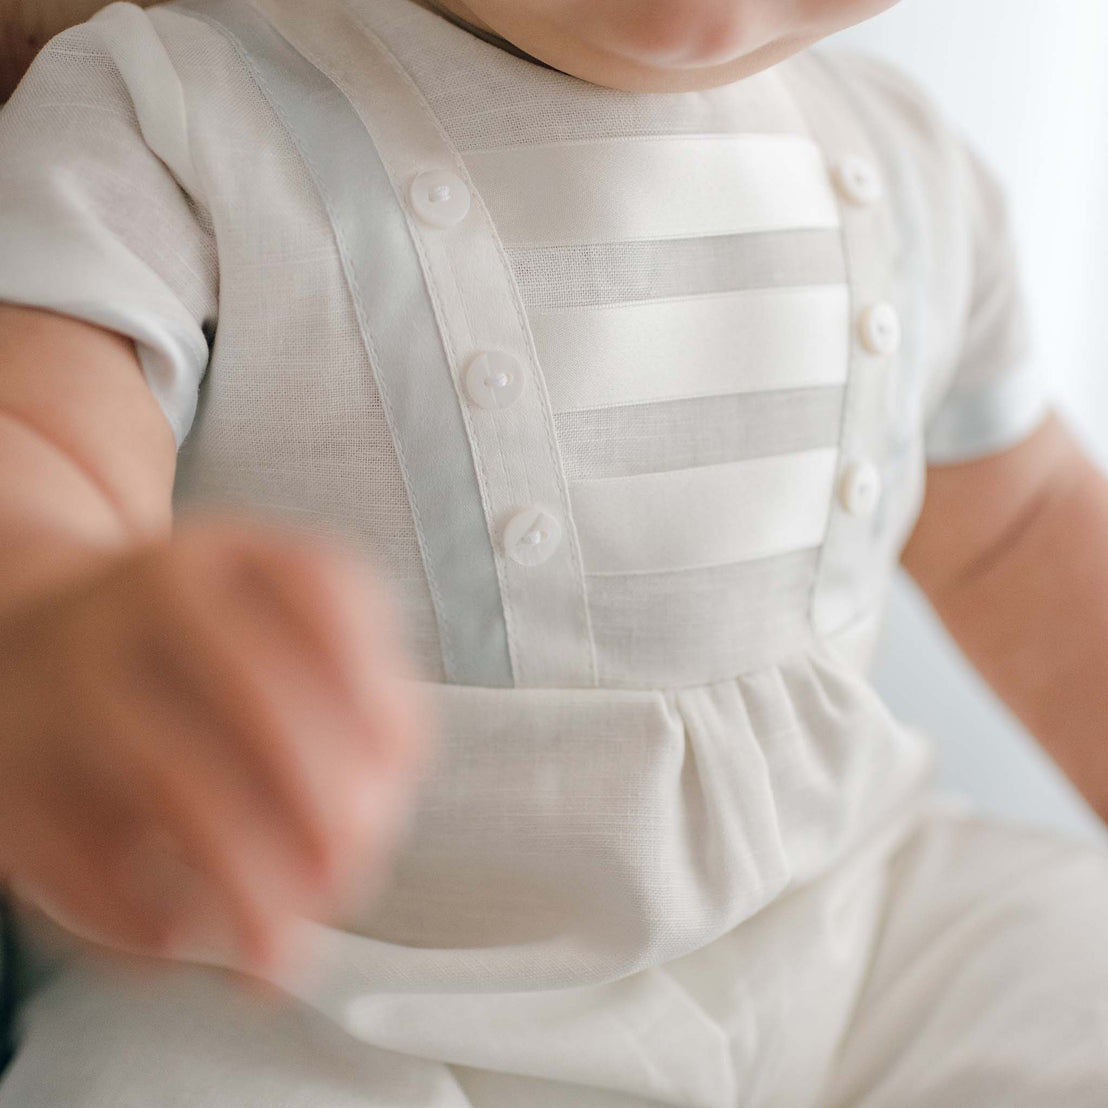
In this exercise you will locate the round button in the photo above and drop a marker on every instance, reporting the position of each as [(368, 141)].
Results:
[(494, 380), (860, 488), (532, 535), (439, 198), (858, 180), (879, 327)]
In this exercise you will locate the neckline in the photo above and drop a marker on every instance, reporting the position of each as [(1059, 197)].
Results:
[(491, 37)]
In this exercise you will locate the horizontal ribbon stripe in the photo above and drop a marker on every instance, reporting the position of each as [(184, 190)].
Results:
[(630, 190), (711, 515), (704, 346)]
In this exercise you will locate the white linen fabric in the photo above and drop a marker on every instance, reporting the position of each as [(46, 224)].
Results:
[(744, 318), (970, 970)]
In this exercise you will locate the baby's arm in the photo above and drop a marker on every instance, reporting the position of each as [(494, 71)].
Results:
[(226, 692), (1012, 551), (87, 455)]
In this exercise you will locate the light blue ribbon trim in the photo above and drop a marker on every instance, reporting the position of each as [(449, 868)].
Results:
[(401, 334)]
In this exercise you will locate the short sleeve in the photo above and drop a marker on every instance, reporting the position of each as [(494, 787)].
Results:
[(101, 216), (995, 395)]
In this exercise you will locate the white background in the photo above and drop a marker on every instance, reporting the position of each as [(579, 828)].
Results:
[(1027, 82)]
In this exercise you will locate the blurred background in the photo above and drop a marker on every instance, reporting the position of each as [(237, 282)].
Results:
[(1026, 82)]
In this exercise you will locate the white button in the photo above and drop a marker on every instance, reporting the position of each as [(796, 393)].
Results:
[(858, 180), (860, 488), (439, 198), (494, 380), (879, 327), (532, 535)]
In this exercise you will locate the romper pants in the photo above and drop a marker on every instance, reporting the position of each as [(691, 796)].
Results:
[(970, 969)]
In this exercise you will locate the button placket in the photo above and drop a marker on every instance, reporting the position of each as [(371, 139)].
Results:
[(848, 577), (858, 180), (439, 198), (860, 488), (507, 417), (532, 535), (510, 454), (879, 328), (849, 570), (494, 380)]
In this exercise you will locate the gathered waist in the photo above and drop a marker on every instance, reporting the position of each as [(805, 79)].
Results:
[(569, 836)]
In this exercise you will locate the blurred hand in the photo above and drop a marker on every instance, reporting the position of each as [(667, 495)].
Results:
[(214, 736)]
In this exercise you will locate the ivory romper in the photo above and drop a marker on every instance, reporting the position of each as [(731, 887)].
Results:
[(628, 397)]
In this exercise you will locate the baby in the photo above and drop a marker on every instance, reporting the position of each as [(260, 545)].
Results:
[(455, 455)]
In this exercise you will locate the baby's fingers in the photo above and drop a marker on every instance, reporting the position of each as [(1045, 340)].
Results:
[(72, 867), (327, 614), (213, 850), (277, 726)]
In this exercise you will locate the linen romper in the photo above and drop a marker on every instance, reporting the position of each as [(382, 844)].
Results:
[(628, 397)]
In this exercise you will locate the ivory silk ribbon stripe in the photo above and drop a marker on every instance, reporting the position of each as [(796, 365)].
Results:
[(634, 189), (743, 341), (711, 515), (401, 334)]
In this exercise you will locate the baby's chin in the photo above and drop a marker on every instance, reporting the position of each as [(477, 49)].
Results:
[(685, 71), (663, 45), (685, 74), (667, 35), (645, 45)]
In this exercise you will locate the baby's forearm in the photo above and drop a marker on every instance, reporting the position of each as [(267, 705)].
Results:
[(51, 521), (87, 467), (1032, 615)]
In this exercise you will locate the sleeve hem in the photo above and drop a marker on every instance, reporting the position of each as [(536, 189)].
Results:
[(172, 362)]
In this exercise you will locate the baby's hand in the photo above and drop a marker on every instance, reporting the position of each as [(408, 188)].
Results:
[(215, 736)]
